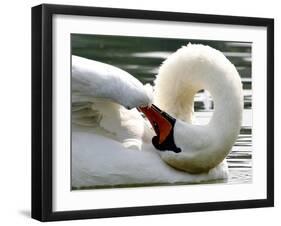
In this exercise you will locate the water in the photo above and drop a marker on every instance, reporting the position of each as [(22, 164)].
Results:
[(142, 57)]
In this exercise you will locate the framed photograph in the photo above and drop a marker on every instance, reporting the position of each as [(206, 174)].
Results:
[(145, 112)]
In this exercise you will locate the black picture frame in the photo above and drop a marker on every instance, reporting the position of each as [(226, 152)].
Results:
[(42, 106)]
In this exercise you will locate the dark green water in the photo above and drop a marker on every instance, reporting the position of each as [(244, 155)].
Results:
[(142, 57)]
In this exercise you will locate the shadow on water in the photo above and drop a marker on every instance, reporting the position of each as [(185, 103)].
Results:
[(142, 56)]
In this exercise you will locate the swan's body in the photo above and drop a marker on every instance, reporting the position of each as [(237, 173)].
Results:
[(112, 145)]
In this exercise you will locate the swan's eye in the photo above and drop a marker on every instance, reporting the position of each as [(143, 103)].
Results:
[(156, 128), (163, 125)]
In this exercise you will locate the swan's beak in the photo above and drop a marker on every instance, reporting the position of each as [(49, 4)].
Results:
[(163, 125), (159, 121)]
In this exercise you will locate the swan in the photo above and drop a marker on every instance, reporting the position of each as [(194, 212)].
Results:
[(114, 145)]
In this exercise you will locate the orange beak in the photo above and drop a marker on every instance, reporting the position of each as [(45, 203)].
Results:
[(161, 122)]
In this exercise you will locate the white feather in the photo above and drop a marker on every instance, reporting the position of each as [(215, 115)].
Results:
[(116, 148)]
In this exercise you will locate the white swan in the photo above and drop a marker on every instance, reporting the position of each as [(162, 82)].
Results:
[(111, 145)]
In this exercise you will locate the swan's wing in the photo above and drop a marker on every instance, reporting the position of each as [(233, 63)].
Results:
[(98, 92), (111, 120), (92, 79)]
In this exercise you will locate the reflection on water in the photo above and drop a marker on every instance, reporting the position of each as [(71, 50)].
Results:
[(142, 57)]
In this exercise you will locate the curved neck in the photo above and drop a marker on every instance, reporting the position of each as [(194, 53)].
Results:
[(184, 73), (225, 123), (226, 91)]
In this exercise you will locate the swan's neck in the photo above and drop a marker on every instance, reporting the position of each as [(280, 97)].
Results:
[(182, 75)]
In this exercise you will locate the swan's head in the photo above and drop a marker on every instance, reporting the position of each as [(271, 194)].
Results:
[(163, 125)]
